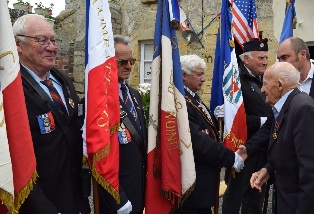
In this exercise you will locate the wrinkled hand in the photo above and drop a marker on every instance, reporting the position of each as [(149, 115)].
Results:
[(242, 152), (238, 162), (219, 111), (259, 178), (126, 209)]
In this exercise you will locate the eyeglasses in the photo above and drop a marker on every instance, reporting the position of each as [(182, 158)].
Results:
[(124, 62), (42, 40)]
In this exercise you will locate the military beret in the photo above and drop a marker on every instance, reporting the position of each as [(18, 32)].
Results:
[(255, 45)]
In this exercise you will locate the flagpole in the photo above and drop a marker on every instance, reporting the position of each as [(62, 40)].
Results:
[(95, 196), (220, 126)]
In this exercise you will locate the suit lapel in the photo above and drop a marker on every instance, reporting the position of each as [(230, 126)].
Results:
[(69, 102), (312, 88), (277, 122)]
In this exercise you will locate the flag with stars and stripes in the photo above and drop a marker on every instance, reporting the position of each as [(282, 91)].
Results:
[(244, 20)]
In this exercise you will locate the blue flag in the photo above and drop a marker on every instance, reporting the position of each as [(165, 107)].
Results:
[(287, 28), (226, 86)]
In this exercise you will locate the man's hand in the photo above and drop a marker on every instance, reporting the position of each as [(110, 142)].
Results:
[(238, 162), (242, 152), (126, 209), (259, 178), (219, 111)]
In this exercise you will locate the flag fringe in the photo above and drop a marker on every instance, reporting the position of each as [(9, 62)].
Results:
[(6, 198), (100, 180), (19, 199)]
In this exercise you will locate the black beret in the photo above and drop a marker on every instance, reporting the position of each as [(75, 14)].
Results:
[(255, 45)]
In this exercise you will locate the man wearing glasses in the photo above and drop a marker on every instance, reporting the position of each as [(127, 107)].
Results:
[(52, 106), (132, 139)]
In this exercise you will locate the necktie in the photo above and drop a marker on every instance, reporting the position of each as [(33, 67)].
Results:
[(128, 103), (55, 97)]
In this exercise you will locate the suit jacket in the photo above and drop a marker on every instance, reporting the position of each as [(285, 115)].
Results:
[(132, 172), (290, 154), (259, 142), (58, 153), (254, 100), (209, 155)]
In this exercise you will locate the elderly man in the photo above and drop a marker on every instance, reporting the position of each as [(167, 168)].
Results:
[(295, 51), (254, 63), (209, 155), (132, 139), (52, 106), (291, 145)]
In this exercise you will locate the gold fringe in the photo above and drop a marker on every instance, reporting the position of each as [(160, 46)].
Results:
[(114, 129), (6, 198), (97, 157), (22, 195)]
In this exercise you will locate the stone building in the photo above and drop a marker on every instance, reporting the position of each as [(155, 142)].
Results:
[(136, 19)]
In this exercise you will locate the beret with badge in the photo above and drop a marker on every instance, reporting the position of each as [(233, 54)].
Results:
[(255, 45)]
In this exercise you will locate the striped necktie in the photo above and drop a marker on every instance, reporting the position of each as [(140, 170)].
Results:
[(55, 97), (128, 104)]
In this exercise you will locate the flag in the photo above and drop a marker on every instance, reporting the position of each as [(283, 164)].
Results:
[(287, 28), (226, 86), (170, 161), (17, 160), (102, 116), (244, 20)]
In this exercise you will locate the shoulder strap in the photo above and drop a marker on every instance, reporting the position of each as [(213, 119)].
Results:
[(255, 87), (136, 136)]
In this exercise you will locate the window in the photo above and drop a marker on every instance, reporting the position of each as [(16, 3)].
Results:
[(147, 51)]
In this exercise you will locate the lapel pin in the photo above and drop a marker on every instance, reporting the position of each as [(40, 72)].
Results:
[(71, 103)]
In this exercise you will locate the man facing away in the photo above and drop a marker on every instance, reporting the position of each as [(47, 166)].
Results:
[(52, 106), (290, 149), (132, 139), (209, 154), (238, 192)]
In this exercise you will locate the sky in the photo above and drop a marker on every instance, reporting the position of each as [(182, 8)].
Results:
[(57, 8)]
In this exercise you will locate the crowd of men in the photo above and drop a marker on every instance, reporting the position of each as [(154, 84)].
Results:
[(279, 125)]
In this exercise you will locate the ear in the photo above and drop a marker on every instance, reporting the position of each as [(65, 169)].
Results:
[(18, 45), (280, 84), (302, 54)]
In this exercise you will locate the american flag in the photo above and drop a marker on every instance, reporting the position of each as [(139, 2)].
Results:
[(244, 20)]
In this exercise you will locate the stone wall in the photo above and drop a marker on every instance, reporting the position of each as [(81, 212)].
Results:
[(137, 19)]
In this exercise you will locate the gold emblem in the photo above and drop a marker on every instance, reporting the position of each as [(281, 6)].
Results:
[(275, 136), (71, 102)]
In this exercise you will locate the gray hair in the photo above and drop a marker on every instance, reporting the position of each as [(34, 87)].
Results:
[(298, 45), (122, 39), (249, 54), (21, 24), (285, 72), (190, 62)]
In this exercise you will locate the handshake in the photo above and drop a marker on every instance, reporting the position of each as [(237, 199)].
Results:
[(240, 157)]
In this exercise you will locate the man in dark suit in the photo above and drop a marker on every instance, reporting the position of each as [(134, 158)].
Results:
[(132, 139), (295, 51), (238, 192), (290, 150), (209, 154), (54, 121)]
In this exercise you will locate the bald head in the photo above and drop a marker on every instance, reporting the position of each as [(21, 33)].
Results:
[(278, 80)]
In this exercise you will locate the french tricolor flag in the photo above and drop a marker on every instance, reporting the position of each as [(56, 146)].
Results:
[(17, 159), (102, 116), (170, 161)]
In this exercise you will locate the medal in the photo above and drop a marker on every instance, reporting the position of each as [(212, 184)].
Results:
[(71, 103), (275, 136)]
